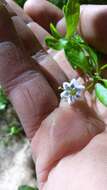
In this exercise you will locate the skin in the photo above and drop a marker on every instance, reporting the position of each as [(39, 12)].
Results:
[(69, 143)]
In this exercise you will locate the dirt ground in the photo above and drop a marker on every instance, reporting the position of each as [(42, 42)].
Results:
[(16, 164)]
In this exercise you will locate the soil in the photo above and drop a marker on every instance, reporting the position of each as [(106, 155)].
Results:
[(16, 164)]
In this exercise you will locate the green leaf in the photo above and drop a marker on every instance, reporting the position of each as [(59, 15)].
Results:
[(55, 43), (71, 13), (25, 187), (77, 57), (105, 82), (3, 100), (78, 38), (54, 32), (101, 93), (91, 54), (14, 130)]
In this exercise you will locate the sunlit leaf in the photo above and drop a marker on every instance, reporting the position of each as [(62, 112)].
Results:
[(14, 130), (101, 93), (105, 82), (55, 43), (71, 13)]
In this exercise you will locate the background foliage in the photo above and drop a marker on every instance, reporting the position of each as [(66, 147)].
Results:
[(60, 3), (21, 2)]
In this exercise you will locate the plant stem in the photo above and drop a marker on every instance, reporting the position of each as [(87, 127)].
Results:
[(103, 67), (89, 86)]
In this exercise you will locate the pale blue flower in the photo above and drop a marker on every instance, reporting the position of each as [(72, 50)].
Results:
[(72, 91)]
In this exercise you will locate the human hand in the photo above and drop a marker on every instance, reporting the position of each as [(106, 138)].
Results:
[(53, 129)]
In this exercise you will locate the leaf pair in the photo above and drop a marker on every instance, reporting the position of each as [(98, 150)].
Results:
[(56, 41), (71, 14), (56, 44)]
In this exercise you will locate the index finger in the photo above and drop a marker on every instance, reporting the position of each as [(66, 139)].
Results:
[(28, 90)]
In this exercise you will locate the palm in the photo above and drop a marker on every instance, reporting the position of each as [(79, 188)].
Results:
[(85, 169), (55, 130)]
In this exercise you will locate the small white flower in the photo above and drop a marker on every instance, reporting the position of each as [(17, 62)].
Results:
[(72, 91)]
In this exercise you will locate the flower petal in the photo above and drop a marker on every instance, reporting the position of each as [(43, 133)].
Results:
[(78, 94), (74, 99), (74, 83), (66, 85), (70, 100), (81, 87), (64, 94)]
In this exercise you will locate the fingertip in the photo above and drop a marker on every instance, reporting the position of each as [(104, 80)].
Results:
[(61, 26), (17, 10), (7, 30), (43, 12), (27, 6), (93, 26)]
